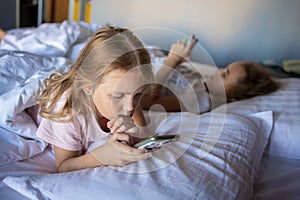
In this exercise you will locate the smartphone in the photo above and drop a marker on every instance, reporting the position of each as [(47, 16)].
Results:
[(155, 142)]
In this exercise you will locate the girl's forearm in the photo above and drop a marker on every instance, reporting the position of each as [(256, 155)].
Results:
[(77, 163), (165, 71)]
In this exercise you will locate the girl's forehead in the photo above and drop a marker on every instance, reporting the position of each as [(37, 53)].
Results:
[(121, 80), (113, 75)]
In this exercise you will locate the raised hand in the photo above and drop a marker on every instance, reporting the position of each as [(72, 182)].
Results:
[(181, 50)]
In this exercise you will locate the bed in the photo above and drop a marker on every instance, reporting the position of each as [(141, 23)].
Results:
[(243, 150)]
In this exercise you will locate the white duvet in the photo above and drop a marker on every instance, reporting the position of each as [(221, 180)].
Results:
[(27, 57), (21, 75), (49, 39)]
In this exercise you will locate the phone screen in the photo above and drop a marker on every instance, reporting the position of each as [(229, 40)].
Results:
[(155, 142)]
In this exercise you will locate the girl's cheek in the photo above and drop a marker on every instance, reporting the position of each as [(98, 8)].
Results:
[(116, 109)]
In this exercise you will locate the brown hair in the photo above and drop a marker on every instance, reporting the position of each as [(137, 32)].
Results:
[(256, 82), (108, 49)]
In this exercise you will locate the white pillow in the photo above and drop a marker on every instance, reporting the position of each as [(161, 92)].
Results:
[(285, 104), (218, 165)]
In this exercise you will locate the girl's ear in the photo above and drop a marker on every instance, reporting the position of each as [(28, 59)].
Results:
[(88, 91)]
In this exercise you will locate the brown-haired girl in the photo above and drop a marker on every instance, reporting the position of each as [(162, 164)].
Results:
[(238, 81)]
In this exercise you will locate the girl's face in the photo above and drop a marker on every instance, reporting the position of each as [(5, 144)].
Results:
[(119, 93), (231, 74)]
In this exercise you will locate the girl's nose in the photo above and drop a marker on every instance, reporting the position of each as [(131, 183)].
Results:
[(221, 71), (129, 106)]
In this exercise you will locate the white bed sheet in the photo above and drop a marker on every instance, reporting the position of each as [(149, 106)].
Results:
[(212, 166), (278, 179), (285, 104), (37, 165)]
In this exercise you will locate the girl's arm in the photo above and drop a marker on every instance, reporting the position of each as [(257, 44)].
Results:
[(73, 160), (115, 152), (179, 52)]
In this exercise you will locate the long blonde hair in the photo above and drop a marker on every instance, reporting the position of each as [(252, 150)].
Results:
[(108, 49)]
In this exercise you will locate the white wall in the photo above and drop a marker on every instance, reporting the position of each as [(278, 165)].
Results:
[(228, 30)]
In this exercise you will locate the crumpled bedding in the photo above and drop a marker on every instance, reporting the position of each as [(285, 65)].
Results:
[(49, 39), (27, 57), (21, 77)]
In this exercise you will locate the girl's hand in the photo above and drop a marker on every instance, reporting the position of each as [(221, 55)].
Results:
[(125, 124), (116, 153), (122, 124), (181, 50)]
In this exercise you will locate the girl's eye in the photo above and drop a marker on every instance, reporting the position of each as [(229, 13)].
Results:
[(117, 96)]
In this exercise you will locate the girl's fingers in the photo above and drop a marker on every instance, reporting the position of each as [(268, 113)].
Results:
[(120, 137), (121, 140), (121, 124), (131, 150), (125, 127), (133, 136), (192, 41), (134, 154), (133, 131)]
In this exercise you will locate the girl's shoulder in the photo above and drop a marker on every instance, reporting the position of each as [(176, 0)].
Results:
[(59, 108), (61, 101)]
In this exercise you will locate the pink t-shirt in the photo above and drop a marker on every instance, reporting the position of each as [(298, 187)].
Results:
[(75, 135)]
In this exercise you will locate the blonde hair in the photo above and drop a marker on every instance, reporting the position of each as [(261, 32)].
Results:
[(108, 49), (256, 82)]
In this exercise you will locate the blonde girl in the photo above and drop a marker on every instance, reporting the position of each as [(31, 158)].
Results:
[(98, 99)]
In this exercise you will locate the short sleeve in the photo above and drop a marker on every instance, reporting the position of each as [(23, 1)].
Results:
[(66, 135)]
